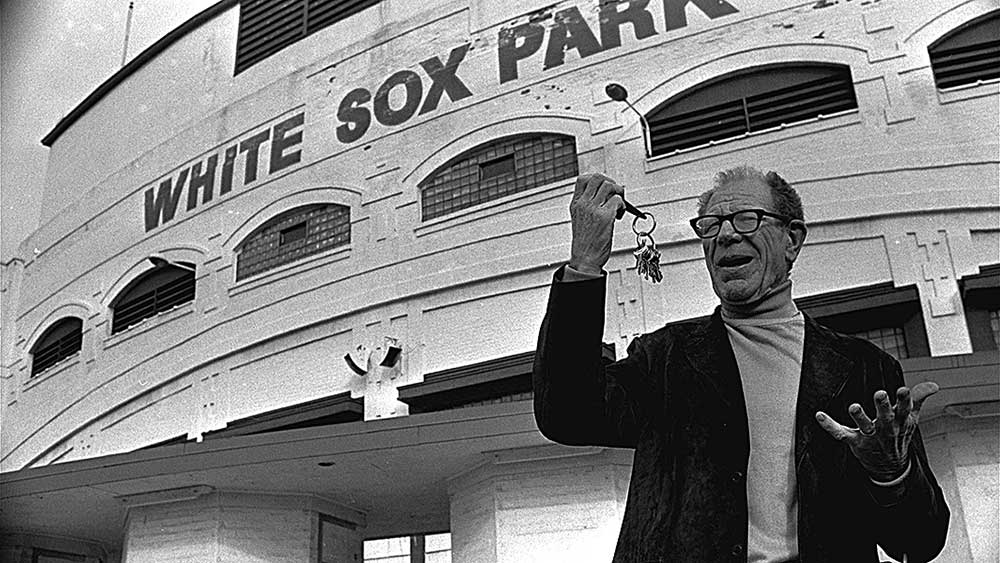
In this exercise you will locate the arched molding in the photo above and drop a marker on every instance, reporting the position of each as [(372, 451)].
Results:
[(72, 308), (948, 20), (349, 197), (193, 254), (567, 124), (919, 41), (842, 54)]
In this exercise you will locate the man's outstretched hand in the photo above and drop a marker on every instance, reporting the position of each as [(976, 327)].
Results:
[(882, 445), (596, 204)]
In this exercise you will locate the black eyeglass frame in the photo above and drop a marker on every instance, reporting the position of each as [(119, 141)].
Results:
[(760, 213)]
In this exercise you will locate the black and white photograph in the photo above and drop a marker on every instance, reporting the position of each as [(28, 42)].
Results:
[(499, 281)]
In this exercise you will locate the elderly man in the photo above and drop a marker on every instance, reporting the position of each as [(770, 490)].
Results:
[(751, 437)]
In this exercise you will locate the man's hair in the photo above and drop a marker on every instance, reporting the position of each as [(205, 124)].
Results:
[(786, 199)]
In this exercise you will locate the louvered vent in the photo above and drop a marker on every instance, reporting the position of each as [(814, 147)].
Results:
[(61, 341), (750, 103), (968, 55), (268, 26), (157, 292)]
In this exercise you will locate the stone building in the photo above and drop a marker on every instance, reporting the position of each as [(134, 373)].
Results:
[(294, 256)]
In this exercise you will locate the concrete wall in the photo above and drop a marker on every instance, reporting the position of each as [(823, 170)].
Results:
[(903, 190), (235, 528)]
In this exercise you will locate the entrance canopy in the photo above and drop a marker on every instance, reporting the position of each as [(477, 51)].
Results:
[(395, 471)]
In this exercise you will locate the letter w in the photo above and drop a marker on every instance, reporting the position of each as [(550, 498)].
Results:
[(165, 203)]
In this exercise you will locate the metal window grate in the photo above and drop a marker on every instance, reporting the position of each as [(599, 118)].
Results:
[(892, 340), (292, 236), (750, 102), (165, 295), (61, 341), (268, 26), (497, 169), (969, 54)]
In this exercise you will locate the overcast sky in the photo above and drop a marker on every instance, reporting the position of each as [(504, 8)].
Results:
[(53, 53)]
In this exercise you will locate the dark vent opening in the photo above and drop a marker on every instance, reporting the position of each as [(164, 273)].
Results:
[(159, 291), (750, 102), (62, 340), (969, 54)]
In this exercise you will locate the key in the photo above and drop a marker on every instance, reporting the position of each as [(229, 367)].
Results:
[(647, 259)]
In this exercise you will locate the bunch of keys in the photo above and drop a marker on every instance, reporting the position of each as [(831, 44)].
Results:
[(647, 257)]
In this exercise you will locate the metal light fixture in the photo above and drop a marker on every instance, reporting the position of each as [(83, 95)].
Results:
[(618, 93), (160, 262)]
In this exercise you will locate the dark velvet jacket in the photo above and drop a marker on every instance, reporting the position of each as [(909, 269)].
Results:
[(677, 399)]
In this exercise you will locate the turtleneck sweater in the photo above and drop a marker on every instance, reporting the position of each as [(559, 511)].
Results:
[(767, 337)]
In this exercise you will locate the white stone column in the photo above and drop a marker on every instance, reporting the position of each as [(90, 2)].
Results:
[(196, 524), (543, 504)]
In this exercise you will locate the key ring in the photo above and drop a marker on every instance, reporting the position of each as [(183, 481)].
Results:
[(648, 236), (639, 233)]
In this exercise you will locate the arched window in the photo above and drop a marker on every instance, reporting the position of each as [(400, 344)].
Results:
[(969, 54), (750, 101), (161, 289), (60, 341), (293, 235), (496, 169)]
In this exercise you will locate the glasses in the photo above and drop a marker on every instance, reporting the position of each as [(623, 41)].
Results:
[(744, 221)]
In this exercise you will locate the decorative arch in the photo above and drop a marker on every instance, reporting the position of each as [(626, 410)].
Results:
[(968, 54), (61, 340), (193, 254), (74, 308), (350, 197), (750, 100), (853, 56), (303, 224), (568, 124), (946, 21), (496, 169), (498, 159)]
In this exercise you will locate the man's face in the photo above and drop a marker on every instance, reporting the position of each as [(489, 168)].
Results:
[(744, 267)]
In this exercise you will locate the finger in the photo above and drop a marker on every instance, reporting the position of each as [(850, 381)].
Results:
[(903, 403), (585, 182), (920, 393), (607, 189), (865, 424), (594, 186), (616, 204), (883, 410), (834, 428)]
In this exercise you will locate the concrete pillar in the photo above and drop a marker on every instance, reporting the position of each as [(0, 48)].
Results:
[(196, 524), (543, 504)]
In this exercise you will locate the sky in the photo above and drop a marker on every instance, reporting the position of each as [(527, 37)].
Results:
[(53, 53)]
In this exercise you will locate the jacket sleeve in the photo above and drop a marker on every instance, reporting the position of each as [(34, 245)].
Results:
[(910, 518), (578, 399)]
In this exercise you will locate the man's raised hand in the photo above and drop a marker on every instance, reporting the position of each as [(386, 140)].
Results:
[(882, 445), (596, 203)]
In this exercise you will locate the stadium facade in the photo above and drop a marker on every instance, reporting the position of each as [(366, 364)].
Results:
[(294, 256)]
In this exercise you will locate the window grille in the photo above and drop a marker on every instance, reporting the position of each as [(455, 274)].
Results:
[(60, 341), (497, 169), (969, 54), (158, 291), (268, 26), (292, 236), (891, 340), (750, 102)]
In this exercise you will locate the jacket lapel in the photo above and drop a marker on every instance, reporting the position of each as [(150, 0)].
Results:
[(711, 355), (825, 372)]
